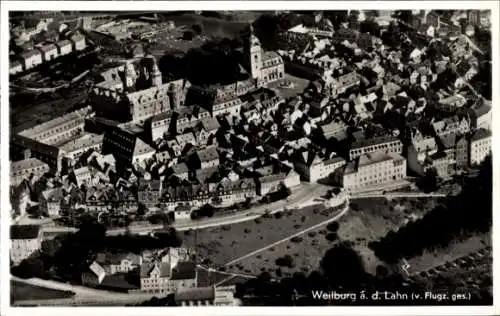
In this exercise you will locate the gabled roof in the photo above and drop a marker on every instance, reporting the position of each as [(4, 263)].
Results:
[(148, 267), (480, 134), (184, 270)]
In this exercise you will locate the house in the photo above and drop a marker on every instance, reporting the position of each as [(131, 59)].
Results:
[(94, 275), (78, 42), (312, 167), (205, 158), (27, 169), (83, 176), (25, 241), (31, 59), (481, 117), (49, 52), (443, 162), (207, 296), (451, 125), (180, 170), (15, 67), (113, 263), (373, 169), (387, 144), (424, 146), (149, 192), (168, 272), (206, 128), (50, 201), (462, 152), (480, 146), (65, 47)]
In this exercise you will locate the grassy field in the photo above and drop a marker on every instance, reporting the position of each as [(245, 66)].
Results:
[(372, 221), (224, 244), (23, 291)]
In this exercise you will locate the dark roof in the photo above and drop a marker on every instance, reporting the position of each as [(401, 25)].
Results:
[(195, 294), (147, 267), (373, 141), (480, 134), (24, 231), (480, 111), (184, 270)]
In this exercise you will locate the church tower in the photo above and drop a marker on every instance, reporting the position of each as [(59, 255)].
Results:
[(156, 78), (254, 55)]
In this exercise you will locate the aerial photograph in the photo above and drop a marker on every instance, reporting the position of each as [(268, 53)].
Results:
[(250, 158)]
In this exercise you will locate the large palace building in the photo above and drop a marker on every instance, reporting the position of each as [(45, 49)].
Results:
[(135, 91)]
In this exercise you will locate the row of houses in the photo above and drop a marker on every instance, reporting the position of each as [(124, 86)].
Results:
[(45, 53)]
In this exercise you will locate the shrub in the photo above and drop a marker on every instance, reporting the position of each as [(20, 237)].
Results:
[(285, 261), (258, 220), (333, 227), (331, 237), (322, 232), (261, 237), (258, 256), (297, 226), (296, 239), (303, 219), (279, 273), (311, 234), (247, 230), (278, 215)]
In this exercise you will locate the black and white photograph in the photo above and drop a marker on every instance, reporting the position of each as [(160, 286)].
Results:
[(243, 158)]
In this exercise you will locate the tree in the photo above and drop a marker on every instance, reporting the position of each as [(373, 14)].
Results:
[(188, 36), (343, 266), (197, 28), (333, 227)]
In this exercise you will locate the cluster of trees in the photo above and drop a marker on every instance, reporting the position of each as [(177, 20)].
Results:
[(468, 213), (341, 270), (67, 256)]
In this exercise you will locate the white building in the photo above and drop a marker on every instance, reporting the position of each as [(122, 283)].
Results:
[(27, 169), (373, 169), (49, 52), (25, 241), (31, 59), (480, 146), (65, 47)]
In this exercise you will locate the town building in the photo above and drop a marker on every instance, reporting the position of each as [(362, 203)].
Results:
[(149, 192), (75, 148), (28, 169), (424, 146), (172, 271), (372, 170), (126, 147), (385, 144), (60, 129), (160, 125), (65, 47), (113, 263), (135, 91), (49, 52), (312, 167), (205, 158), (443, 162), (207, 296), (481, 117), (79, 42), (339, 85), (30, 148), (15, 67), (206, 129), (31, 59), (462, 152), (264, 67), (25, 241), (451, 125), (480, 146), (50, 201)]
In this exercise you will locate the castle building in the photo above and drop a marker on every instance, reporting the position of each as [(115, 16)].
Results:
[(264, 67), (135, 91)]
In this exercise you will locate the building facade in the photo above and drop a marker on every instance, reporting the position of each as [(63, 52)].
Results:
[(480, 146), (25, 241)]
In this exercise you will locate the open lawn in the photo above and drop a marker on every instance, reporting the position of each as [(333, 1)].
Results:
[(223, 244), (23, 291)]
